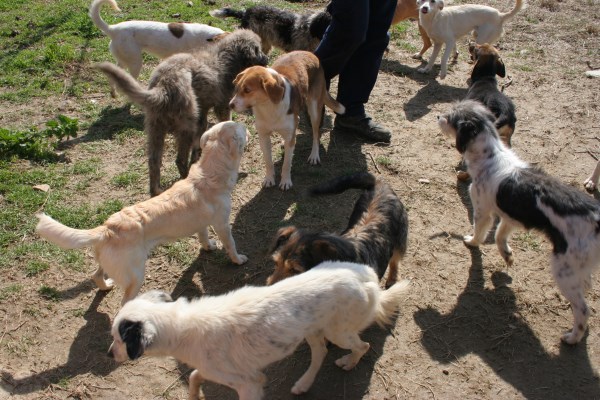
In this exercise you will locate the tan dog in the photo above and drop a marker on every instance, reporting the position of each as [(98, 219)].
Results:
[(122, 244), (408, 9), (276, 96)]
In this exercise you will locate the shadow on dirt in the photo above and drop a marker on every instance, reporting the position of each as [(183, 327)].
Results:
[(87, 354)]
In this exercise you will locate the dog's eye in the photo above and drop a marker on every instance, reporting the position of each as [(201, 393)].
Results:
[(247, 89)]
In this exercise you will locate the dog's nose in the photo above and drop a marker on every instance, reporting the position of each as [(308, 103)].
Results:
[(424, 10), (438, 117), (110, 353), (231, 105)]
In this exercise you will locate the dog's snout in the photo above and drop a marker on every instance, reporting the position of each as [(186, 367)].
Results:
[(231, 105), (424, 9), (110, 354)]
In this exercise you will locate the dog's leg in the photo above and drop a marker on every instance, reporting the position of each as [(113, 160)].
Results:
[(184, 144), (426, 43), (393, 268), (448, 50), (318, 351), (502, 232), (436, 50), (202, 127), (223, 230), (205, 242), (454, 54), (289, 143), (314, 112), (350, 341), (194, 386), (591, 182), (223, 113), (156, 143), (132, 290), (482, 222), (265, 146), (251, 390), (571, 285), (103, 284)]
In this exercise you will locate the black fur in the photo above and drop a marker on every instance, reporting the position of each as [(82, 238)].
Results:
[(131, 335), (469, 121), (518, 195)]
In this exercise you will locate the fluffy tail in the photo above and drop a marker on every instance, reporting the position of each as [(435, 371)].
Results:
[(518, 7), (359, 180), (128, 85), (227, 12), (389, 301), (95, 14), (65, 237), (334, 104)]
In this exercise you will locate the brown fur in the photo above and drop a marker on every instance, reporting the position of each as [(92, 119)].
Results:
[(408, 9), (176, 28), (276, 95), (182, 90)]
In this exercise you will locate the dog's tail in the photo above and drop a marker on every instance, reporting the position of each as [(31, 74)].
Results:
[(518, 7), (65, 237), (359, 180), (334, 104), (389, 301), (129, 86), (228, 12), (95, 14)]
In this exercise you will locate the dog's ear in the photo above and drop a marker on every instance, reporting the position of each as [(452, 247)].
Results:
[(234, 142), (274, 87), (465, 132), (218, 37), (206, 136), (325, 250), (239, 77), (134, 337), (500, 68), (282, 236)]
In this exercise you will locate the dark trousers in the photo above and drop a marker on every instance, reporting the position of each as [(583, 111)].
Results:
[(353, 46)]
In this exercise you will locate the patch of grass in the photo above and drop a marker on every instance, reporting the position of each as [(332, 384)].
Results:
[(10, 290), (125, 179), (49, 293), (528, 241), (179, 252), (35, 267), (383, 160)]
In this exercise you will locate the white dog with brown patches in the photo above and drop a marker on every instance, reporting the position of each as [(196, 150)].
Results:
[(276, 95), (230, 339), (161, 39), (445, 25), (122, 244)]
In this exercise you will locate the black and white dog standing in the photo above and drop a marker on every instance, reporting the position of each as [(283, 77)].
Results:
[(524, 196)]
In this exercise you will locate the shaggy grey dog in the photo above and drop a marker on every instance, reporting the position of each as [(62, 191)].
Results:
[(283, 29), (182, 89)]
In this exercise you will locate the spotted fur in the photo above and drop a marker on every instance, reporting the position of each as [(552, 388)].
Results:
[(522, 196)]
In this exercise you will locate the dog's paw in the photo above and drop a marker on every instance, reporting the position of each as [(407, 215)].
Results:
[(314, 159), (507, 255), (417, 56), (347, 362), (589, 185), (423, 70), (470, 241), (285, 184), (240, 259), (442, 75), (572, 337), (106, 284), (301, 387), (268, 182), (210, 246), (462, 175)]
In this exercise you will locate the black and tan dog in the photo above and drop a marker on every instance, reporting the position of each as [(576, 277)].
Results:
[(484, 88), (376, 235)]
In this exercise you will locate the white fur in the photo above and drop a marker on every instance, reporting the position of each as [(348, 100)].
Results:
[(122, 244), (591, 182), (571, 270), (445, 25), (230, 339), (130, 38)]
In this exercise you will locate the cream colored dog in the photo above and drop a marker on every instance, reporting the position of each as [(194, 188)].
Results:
[(161, 39), (445, 25), (122, 244), (276, 96), (230, 339)]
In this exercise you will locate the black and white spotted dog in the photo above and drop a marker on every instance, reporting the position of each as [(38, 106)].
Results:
[(283, 29), (524, 196)]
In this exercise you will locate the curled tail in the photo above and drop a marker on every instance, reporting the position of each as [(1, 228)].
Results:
[(129, 86), (334, 104), (228, 12), (95, 14), (518, 7), (65, 237), (359, 180), (388, 302)]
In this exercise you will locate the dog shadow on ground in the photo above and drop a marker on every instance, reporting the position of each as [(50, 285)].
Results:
[(487, 322), (87, 354), (254, 229)]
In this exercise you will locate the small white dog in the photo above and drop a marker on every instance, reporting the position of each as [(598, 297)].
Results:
[(445, 25), (591, 182), (526, 197), (128, 39), (122, 244), (230, 339)]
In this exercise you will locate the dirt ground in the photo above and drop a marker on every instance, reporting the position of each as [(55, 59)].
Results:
[(470, 328)]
